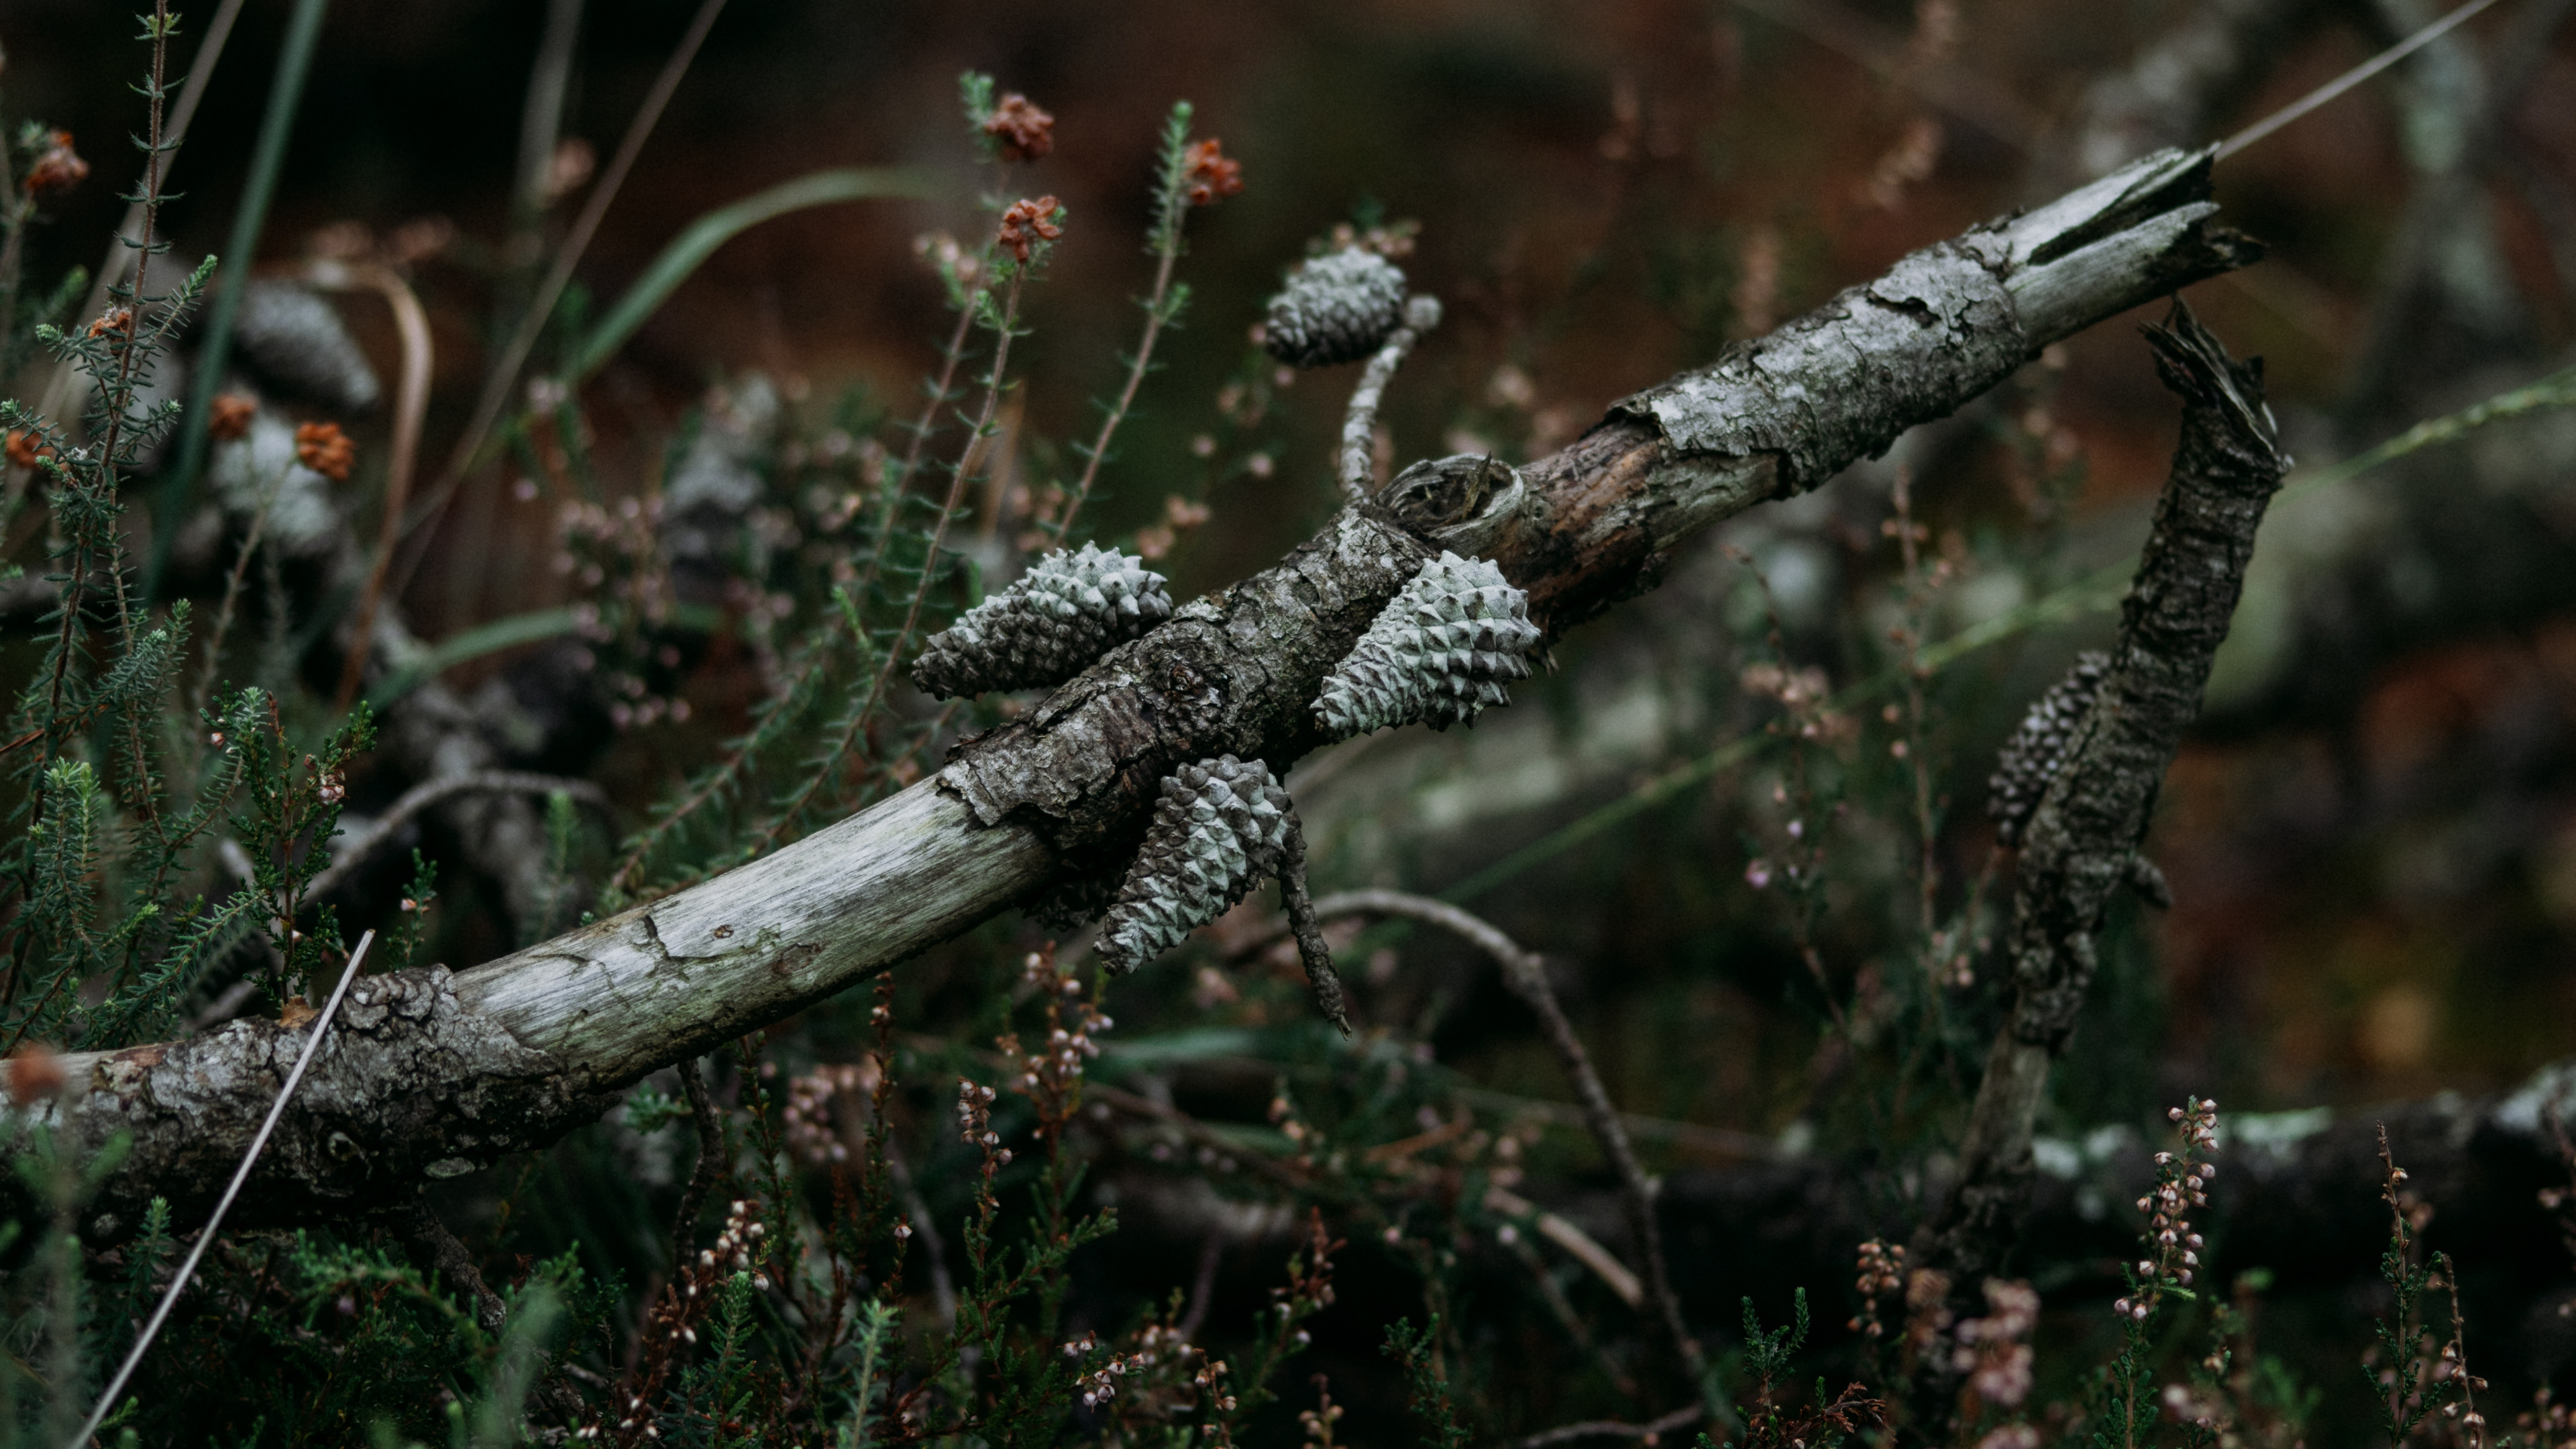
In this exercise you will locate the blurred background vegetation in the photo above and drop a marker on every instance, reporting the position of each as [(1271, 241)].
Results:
[(2371, 839)]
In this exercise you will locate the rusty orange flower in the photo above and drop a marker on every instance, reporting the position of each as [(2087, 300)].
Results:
[(33, 1073), (1212, 173), (58, 169), (114, 319), (326, 450), (1027, 223), (25, 447), (1024, 131), (230, 416)]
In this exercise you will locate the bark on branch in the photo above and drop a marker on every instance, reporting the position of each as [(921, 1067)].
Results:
[(545, 1033), (2081, 844)]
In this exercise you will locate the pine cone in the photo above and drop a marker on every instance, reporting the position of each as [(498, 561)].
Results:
[(1066, 611), (1440, 652), (1219, 827), (1336, 308), (2031, 758)]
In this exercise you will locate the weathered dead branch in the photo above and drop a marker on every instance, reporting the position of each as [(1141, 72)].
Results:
[(2081, 844), (436, 1074)]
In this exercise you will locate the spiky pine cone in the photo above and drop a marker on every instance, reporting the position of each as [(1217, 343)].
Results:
[(1066, 611), (1335, 309), (1218, 829), (1440, 652), (2032, 757)]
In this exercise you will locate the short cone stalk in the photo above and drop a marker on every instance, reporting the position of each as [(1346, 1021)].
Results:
[(1440, 652), (1219, 828), (2037, 750), (1064, 613)]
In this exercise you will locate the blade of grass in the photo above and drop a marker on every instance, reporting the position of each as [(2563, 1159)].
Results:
[(692, 247)]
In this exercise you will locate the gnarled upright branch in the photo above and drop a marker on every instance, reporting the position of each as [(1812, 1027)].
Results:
[(2080, 845)]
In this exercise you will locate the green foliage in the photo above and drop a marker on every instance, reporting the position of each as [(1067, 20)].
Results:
[(1426, 1389), (2408, 1375), (292, 809)]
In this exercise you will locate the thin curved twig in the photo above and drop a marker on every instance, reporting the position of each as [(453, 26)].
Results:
[(1357, 458), (1526, 975), (411, 405), (422, 796), (241, 1174), (1681, 1418)]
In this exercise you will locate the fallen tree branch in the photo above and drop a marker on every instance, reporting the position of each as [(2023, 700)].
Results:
[(513, 1053)]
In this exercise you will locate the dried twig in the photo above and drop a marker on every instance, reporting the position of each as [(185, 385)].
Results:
[(1302, 923), (1017, 805), (411, 406), (422, 796), (711, 1158), (1526, 975), (1680, 1418), (241, 1174), (438, 1245)]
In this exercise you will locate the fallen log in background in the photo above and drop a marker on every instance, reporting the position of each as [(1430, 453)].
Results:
[(438, 1074), (2297, 1195)]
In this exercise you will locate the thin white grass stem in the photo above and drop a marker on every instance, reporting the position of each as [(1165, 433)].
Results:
[(2353, 77), (241, 1174)]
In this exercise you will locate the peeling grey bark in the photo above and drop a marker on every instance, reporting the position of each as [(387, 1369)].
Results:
[(409, 1088), (1070, 785), (2081, 844), (1779, 415)]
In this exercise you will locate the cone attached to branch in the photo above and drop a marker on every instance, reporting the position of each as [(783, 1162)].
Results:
[(1335, 309), (1220, 826), (1440, 652), (2037, 750), (1066, 611)]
